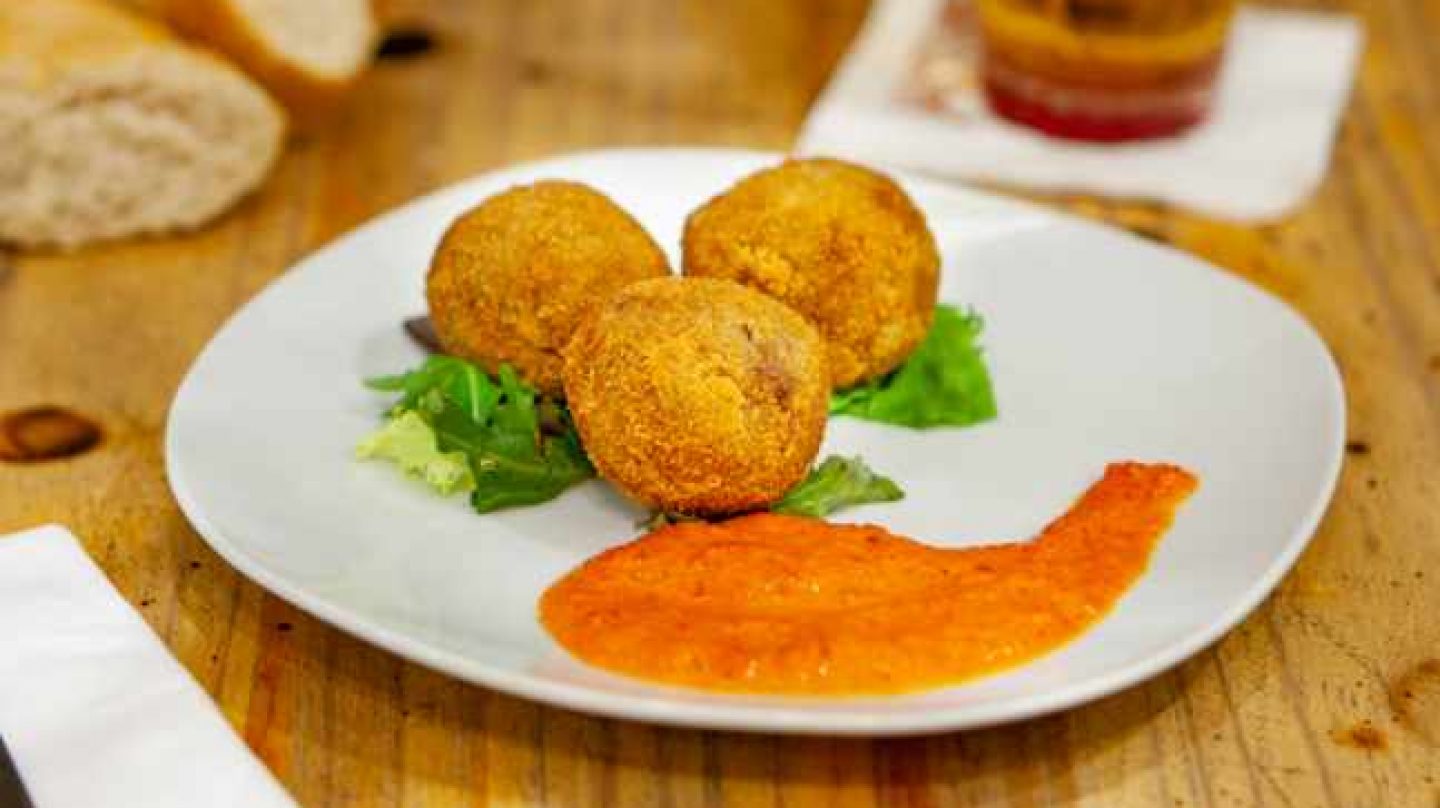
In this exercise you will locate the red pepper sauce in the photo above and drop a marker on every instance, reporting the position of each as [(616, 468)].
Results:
[(788, 605)]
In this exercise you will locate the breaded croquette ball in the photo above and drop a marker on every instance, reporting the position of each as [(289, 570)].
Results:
[(839, 243), (698, 396), (512, 277)]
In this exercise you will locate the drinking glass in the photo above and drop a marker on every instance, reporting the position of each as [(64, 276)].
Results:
[(1103, 70)]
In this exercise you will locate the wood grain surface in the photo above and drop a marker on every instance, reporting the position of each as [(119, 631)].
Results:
[(1329, 695)]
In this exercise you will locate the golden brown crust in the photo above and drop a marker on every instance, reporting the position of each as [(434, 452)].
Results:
[(513, 277), (55, 36), (840, 243), (310, 97), (392, 14), (698, 395)]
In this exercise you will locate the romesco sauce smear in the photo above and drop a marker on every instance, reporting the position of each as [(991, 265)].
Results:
[(782, 604)]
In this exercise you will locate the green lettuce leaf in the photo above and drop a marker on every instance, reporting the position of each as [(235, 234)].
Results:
[(835, 484), (943, 383), (519, 450), (408, 441), (442, 377)]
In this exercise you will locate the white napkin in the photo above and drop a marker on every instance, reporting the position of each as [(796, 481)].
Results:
[(1264, 149), (95, 711)]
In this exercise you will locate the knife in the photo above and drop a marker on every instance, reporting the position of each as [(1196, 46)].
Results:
[(12, 788)]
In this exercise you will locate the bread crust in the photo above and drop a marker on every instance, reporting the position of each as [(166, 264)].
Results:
[(51, 38), (310, 97), (70, 57)]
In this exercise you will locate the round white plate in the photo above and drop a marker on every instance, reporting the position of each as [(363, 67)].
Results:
[(1103, 347)]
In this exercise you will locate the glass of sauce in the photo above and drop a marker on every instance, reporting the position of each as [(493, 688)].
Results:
[(1103, 70)]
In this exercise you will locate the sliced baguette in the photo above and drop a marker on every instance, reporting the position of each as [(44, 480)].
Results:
[(307, 53), (110, 127), (392, 14)]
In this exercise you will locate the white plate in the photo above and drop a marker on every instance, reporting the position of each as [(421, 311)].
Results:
[(1103, 347)]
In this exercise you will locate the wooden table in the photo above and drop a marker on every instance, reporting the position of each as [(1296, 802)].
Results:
[(1329, 695)]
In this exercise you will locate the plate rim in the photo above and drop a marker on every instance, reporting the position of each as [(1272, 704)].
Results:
[(781, 719)]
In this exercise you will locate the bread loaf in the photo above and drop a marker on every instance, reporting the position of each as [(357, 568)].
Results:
[(307, 53), (110, 127)]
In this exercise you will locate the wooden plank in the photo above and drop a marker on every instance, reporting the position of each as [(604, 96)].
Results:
[(1328, 696)]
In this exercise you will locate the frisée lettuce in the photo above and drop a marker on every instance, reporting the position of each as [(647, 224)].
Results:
[(457, 429)]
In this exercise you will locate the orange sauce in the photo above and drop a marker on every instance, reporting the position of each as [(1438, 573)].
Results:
[(783, 604)]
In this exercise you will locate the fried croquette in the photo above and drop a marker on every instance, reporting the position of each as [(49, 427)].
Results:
[(698, 396), (839, 243), (512, 277)]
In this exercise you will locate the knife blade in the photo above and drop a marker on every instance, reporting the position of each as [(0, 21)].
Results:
[(12, 788)]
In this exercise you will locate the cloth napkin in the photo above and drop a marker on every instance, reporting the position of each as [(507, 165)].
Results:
[(1264, 149), (95, 711)]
